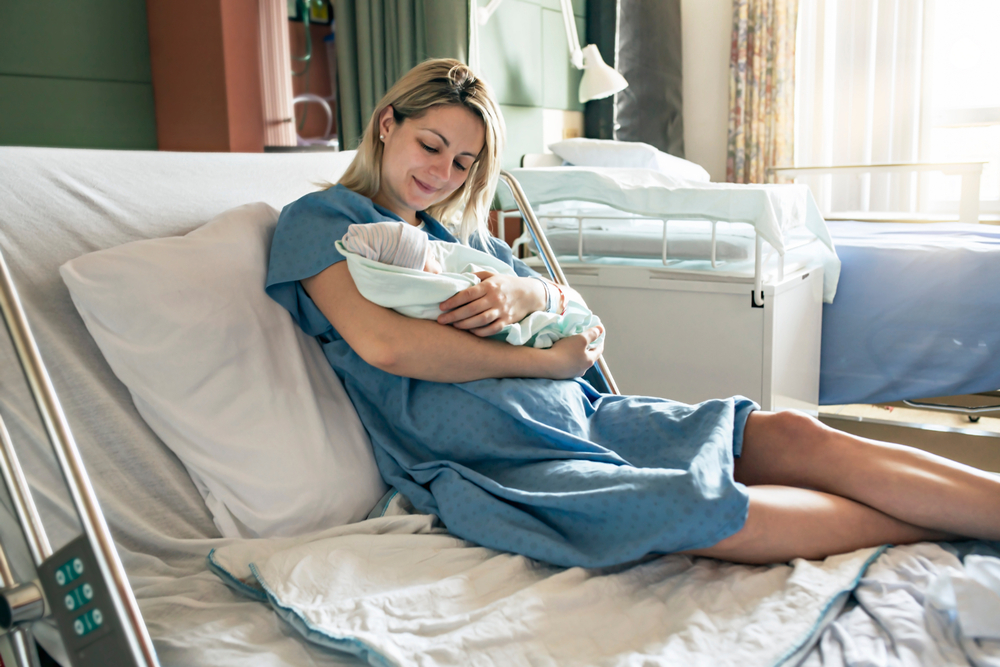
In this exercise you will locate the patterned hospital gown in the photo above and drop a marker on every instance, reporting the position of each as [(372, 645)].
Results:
[(550, 469)]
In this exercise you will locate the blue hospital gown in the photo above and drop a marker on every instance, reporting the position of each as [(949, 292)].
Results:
[(550, 469)]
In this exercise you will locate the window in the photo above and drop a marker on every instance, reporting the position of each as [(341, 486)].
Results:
[(961, 104), (898, 82)]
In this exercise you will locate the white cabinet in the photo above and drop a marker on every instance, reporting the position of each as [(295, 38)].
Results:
[(684, 337)]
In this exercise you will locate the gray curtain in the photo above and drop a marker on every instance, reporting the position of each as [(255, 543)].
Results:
[(649, 57), (642, 40), (380, 40)]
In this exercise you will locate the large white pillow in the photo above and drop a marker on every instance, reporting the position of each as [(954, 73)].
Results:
[(582, 152), (225, 378)]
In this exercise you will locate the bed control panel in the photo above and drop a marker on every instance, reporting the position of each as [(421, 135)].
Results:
[(82, 609)]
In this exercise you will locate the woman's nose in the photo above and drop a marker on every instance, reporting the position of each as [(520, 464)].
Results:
[(442, 168)]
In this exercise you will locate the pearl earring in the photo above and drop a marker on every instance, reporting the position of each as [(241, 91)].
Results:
[(381, 136)]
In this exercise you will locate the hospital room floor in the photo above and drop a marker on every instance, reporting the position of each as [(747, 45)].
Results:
[(945, 433)]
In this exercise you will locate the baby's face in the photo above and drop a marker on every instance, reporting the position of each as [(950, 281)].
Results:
[(432, 265)]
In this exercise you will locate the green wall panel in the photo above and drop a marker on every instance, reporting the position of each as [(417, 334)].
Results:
[(525, 56), (524, 133), (77, 114), (560, 80), (510, 52), (105, 40), (76, 73)]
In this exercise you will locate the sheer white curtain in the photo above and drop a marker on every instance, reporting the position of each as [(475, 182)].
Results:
[(858, 98)]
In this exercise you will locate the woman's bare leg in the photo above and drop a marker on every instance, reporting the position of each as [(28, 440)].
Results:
[(785, 523), (911, 486)]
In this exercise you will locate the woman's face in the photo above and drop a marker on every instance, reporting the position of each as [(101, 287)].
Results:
[(426, 159)]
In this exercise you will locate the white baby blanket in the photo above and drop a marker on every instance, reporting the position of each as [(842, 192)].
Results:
[(399, 590), (419, 293)]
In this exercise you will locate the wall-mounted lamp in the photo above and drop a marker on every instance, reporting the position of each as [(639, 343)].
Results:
[(599, 80)]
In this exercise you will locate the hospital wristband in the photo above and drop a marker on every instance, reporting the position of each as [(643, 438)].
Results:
[(563, 301), (548, 294)]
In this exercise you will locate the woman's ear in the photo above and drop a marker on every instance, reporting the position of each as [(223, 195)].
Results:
[(385, 121)]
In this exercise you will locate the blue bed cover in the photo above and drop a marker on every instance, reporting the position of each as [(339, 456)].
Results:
[(917, 312)]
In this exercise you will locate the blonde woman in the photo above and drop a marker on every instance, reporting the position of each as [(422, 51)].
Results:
[(510, 449)]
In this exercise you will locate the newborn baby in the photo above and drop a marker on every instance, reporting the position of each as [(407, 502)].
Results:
[(396, 265), (393, 243)]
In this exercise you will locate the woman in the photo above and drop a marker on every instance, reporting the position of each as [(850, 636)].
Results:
[(510, 450)]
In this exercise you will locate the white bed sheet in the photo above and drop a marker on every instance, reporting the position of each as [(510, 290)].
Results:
[(773, 210), (785, 216)]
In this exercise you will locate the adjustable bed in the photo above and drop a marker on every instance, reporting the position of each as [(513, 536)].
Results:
[(246, 546)]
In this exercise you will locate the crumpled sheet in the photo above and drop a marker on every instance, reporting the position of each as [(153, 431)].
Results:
[(901, 615), (400, 590)]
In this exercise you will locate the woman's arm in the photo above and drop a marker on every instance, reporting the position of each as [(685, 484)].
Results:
[(427, 350)]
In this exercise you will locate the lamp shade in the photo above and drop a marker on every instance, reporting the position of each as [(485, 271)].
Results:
[(599, 80)]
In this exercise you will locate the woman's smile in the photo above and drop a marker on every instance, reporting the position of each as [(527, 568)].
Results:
[(424, 187)]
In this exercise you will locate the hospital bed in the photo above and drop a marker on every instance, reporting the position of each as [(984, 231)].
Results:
[(913, 316), (396, 587)]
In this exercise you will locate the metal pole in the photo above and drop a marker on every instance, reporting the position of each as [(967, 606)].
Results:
[(20, 496), (74, 474), (22, 642), (548, 257)]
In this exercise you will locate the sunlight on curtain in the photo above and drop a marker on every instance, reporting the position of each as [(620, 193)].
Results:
[(962, 102), (761, 88), (858, 99)]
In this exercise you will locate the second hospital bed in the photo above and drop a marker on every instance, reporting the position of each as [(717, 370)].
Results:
[(398, 589), (909, 309)]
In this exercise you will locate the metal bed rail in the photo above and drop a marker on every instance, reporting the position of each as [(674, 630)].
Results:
[(123, 628), (549, 258)]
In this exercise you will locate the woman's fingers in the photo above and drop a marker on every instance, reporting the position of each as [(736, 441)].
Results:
[(468, 295)]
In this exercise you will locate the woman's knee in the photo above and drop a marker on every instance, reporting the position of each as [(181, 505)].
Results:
[(781, 448), (789, 430), (795, 427)]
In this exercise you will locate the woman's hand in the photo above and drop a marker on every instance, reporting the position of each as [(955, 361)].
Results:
[(571, 357), (497, 301)]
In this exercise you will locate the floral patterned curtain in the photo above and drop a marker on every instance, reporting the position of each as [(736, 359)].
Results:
[(761, 88)]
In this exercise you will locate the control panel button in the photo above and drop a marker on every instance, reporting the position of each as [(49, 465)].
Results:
[(88, 622), (78, 597), (69, 571)]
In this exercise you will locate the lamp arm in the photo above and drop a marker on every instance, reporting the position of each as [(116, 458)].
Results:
[(572, 38), (486, 12)]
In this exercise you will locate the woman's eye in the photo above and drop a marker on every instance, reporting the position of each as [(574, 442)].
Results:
[(460, 166), (428, 148)]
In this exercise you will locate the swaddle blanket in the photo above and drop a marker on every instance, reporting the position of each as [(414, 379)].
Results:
[(400, 590), (418, 293)]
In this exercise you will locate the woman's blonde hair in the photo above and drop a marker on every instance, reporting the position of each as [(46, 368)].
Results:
[(438, 82)]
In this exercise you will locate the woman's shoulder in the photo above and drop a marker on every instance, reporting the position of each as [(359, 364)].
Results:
[(335, 202)]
